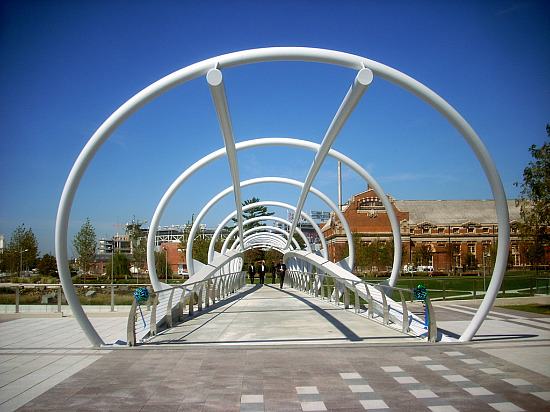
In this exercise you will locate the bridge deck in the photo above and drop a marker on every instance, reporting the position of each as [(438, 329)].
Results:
[(266, 315)]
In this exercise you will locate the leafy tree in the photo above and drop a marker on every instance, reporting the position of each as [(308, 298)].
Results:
[(139, 246), (119, 265), (21, 250), (534, 201), (85, 245), (422, 254), (160, 265), (47, 265), (201, 243), (255, 211), (470, 261)]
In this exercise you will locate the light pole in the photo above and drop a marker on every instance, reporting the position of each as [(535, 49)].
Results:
[(166, 266), (21, 260), (488, 254)]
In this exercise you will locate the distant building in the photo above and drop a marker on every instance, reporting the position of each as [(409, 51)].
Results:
[(449, 228)]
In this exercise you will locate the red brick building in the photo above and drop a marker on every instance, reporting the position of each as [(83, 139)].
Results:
[(449, 229)]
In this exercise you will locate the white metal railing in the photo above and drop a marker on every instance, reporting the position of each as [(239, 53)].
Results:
[(169, 305), (378, 305)]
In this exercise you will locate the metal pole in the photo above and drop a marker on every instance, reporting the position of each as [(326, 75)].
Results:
[(17, 299)]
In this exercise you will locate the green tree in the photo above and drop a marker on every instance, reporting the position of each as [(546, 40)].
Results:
[(160, 265), (119, 265), (47, 265), (21, 252), (139, 245), (422, 255), (85, 245), (255, 211), (534, 202)]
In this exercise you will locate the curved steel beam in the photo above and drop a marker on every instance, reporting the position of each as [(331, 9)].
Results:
[(267, 203), (279, 54), (259, 180)]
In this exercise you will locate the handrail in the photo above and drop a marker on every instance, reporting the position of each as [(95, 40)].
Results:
[(298, 280), (220, 286)]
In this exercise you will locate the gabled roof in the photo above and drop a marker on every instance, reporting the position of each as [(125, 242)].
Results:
[(454, 212)]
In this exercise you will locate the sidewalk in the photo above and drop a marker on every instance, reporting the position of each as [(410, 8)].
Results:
[(47, 364)]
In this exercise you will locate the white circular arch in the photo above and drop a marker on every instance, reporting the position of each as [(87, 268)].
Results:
[(324, 249), (255, 229), (279, 54)]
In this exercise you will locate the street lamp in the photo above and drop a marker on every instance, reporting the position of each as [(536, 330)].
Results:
[(166, 265), (21, 260), (488, 254)]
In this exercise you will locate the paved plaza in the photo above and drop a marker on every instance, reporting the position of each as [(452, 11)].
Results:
[(273, 350)]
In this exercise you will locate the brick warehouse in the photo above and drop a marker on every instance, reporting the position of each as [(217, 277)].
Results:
[(448, 228)]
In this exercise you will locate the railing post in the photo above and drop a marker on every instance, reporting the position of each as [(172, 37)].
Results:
[(131, 327), (59, 291), (17, 299), (149, 298), (181, 306), (191, 302), (432, 326), (199, 303), (153, 319), (169, 320), (329, 294), (474, 288), (405, 312), (370, 309), (357, 300), (443, 289), (503, 287), (112, 298), (336, 292), (346, 296), (386, 319)]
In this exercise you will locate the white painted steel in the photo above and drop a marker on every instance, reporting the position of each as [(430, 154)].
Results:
[(265, 228), (264, 55), (356, 91), (255, 181), (277, 141), (224, 222), (215, 80)]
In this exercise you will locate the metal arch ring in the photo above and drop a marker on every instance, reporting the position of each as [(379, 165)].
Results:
[(279, 54)]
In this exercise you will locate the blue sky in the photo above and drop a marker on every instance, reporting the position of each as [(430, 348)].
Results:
[(67, 65)]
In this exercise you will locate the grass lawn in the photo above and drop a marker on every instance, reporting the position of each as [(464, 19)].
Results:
[(540, 309)]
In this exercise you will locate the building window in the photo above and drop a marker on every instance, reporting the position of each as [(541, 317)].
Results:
[(485, 230), (425, 230), (472, 249), (470, 230), (455, 230)]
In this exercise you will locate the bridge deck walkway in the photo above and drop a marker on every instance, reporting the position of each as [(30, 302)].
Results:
[(267, 315)]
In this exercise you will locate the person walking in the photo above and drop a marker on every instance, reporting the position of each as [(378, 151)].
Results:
[(251, 273), (261, 272), (281, 271), (273, 272)]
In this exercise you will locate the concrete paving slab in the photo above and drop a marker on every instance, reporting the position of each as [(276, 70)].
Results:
[(316, 356)]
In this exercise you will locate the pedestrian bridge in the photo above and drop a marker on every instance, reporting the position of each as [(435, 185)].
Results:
[(267, 315), (310, 268)]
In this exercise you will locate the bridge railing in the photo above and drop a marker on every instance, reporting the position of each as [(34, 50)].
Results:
[(169, 305), (345, 291)]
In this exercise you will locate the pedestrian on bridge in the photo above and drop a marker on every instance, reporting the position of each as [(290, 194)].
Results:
[(251, 272), (281, 270), (273, 272), (261, 272)]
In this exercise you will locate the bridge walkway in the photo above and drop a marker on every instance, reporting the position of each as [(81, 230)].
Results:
[(267, 315)]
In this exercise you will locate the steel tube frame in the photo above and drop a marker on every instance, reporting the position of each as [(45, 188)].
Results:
[(266, 203), (361, 83), (279, 54)]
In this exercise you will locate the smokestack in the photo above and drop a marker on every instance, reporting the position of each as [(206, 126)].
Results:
[(340, 186)]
